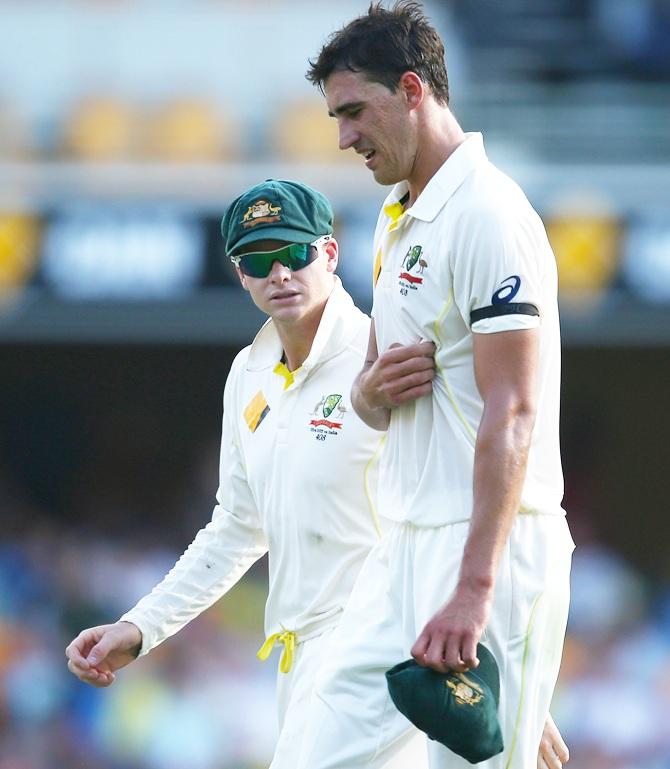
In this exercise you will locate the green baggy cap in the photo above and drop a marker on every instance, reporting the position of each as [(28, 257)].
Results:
[(460, 710), (277, 209)]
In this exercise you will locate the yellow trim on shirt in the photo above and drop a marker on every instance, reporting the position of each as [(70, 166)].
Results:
[(395, 212), (368, 494), (436, 328), (282, 370)]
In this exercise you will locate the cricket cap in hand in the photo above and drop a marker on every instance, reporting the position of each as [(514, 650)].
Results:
[(460, 710)]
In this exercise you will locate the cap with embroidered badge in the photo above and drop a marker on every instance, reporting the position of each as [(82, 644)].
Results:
[(276, 209), (459, 710)]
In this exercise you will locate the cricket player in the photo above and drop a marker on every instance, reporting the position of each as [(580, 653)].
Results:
[(297, 471), (471, 474), (297, 467)]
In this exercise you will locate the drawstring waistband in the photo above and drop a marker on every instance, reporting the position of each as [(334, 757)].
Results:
[(291, 638), (288, 639)]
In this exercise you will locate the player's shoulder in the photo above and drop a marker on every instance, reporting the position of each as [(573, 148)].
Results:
[(237, 369), (362, 335), (240, 360), (491, 200), (352, 336)]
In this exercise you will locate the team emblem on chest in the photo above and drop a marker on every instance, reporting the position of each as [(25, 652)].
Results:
[(328, 405), (412, 263)]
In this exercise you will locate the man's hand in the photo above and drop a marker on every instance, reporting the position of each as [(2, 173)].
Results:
[(98, 652), (402, 373), (553, 751), (449, 640)]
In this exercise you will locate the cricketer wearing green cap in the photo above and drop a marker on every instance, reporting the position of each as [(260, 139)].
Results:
[(297, 466)]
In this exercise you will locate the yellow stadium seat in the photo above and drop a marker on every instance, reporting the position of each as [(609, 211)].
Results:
[(587, 249), (101, 129), (188, 130), (304, 132), (18, 252)]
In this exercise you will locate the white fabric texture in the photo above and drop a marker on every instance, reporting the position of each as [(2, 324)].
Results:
[(481, 247), (401, 585), (295, 702), (301, 490)]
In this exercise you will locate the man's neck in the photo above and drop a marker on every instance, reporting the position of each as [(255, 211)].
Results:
[(297, 338), (439, 136)]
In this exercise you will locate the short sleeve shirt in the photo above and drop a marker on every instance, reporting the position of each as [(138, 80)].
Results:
[(470, 256)]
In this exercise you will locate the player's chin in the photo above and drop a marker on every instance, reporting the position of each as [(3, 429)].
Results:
[(386, 174), (382, 177)]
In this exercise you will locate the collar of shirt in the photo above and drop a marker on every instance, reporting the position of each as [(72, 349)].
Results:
[(337, 327), (446, 180)]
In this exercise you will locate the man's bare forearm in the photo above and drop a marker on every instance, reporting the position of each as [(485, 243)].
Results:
[(449, 639), (501, 457)]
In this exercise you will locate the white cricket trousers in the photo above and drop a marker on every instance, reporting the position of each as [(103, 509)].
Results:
[(406, 578), (295, 698)]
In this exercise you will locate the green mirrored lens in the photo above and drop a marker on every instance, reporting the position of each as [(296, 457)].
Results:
[(258, 264)]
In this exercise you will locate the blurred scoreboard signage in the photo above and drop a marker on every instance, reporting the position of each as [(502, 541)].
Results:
[(156, 252), (123, 253)]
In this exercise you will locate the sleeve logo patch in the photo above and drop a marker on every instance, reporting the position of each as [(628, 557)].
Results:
[(510, 288), (256, 411)]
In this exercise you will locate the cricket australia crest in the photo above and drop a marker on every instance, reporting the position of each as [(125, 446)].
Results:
[(466, 691), (259, 212), (326, 406), (413, 262)]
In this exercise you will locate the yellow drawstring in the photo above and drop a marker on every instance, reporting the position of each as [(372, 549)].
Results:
[(287, 637)]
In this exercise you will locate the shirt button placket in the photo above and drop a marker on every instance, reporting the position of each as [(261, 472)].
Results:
[(286, 405)]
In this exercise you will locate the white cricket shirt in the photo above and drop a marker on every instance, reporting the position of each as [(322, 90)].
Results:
[(470, 256), (297, 478)]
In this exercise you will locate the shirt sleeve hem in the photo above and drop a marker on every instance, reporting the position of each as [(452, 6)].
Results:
[(505, 323)]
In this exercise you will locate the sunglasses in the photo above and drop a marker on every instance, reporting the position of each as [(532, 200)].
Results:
[(295, 256)]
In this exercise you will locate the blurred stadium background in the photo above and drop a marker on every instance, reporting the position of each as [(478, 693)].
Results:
[(126, 126)]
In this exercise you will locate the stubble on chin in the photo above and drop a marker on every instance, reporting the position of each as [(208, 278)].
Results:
[(385, 178)]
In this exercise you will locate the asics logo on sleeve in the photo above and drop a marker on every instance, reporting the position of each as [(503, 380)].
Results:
[(502, 304), (510, 288)]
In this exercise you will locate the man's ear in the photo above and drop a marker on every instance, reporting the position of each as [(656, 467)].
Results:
[(332, 253), (240, 275), (413, 88)]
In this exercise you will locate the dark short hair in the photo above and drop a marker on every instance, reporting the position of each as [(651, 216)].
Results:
[(383, 44)]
